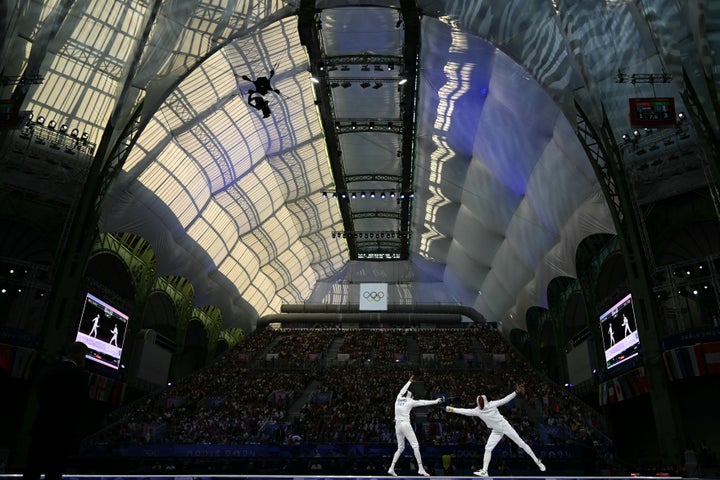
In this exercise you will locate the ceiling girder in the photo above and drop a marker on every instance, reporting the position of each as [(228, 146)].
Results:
[(365, 125), (376, 214), (310, 38), (411, 19), (373, 177), (336, 60)]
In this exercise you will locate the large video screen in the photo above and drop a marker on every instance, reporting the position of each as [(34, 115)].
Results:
[(102, 328), (619, 333)]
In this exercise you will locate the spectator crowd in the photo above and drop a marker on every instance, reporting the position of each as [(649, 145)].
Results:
[(307, 396)]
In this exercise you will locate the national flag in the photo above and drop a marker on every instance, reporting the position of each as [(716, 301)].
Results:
[(23, 362), (670, 365), (687, 362), (611, 393), (712, 357), (618, 390), (7, 355)]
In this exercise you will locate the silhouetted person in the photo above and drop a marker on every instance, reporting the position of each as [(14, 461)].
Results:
[(62, 395), (114, 339), (626, 324), (95, 322), (262, 84), (589, 453), (259, 103)]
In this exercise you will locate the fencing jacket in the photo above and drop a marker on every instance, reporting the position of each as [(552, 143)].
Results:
[(489, 413), (403, 404)]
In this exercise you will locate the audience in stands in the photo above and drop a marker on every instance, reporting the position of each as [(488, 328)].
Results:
[(309, 397)]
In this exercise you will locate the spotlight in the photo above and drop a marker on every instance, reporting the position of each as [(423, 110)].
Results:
[(372, 194), (377, 85), (75, 132), (63, 128), (314, 80), (353, 195), (391, 66), (392, 194), (52, 124), (362, 195), (382, 195), (402, 81), (372, 125), (324, 194), (41, 120)]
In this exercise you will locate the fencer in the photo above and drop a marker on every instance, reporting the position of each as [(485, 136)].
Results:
[(404, 403), (487, 411)]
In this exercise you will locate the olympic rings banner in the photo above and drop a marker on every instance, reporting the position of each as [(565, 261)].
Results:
[(373, 296)]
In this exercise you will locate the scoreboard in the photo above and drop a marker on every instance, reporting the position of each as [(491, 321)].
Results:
[(652, 112)]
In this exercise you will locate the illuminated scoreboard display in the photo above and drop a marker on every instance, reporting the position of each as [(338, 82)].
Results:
[(652, 112)]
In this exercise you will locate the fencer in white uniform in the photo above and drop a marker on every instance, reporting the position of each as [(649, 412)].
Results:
[(404, 403), (488, 412)]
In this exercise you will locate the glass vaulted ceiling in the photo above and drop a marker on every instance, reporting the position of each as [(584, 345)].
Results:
[(227, 196), (232, 201)]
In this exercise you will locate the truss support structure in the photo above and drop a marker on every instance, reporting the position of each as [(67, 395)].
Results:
[(411, 18), (606, 159), (81, 231), (372, 177), (708, 139), (377, 214), (310, 38)]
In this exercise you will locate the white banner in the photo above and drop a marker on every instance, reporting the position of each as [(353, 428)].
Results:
[(373, 296)]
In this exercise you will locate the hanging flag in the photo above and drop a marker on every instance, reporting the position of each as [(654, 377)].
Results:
[(712, 357)]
